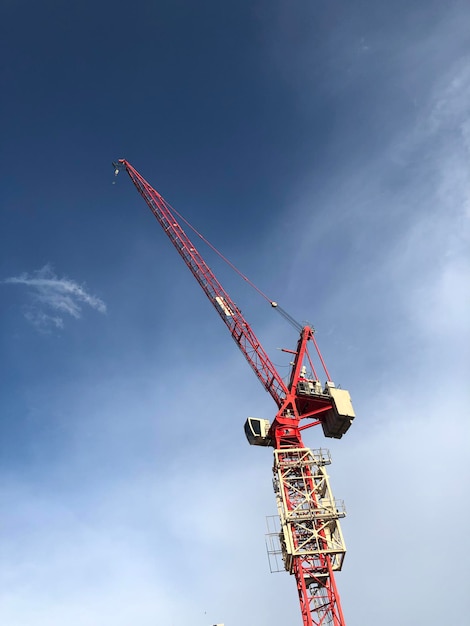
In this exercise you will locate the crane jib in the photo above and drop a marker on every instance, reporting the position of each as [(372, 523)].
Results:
[(225, 307)]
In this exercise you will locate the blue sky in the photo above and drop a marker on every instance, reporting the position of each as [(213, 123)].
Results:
[(324, 147)]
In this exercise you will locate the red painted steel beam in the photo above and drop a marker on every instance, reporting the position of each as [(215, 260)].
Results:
[(231, 315)]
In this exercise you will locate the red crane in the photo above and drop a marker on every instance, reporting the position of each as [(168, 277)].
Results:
[(310, 538)]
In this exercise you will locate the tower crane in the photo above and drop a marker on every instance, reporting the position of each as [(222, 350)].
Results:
[(310, 538)]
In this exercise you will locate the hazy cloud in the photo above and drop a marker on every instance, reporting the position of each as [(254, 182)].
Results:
[(53, 297)]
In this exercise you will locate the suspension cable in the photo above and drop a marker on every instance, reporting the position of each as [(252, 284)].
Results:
[(212, 247), (287, 317), (274, 304)]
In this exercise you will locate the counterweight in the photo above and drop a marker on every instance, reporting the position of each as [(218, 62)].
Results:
[(310, 538)]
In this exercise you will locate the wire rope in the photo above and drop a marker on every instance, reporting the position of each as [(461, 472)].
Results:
[(273, 303)]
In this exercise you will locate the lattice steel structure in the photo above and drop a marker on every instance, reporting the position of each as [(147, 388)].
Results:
[(311, 542)]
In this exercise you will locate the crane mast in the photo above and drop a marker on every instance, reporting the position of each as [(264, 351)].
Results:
[(310, 538)]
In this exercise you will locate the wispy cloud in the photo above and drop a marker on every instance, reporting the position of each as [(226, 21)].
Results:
[(53, 298)]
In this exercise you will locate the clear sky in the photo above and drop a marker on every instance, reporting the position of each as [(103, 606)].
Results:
[(324, 147)]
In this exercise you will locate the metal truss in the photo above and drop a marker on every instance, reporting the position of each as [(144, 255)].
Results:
[(311, 540)]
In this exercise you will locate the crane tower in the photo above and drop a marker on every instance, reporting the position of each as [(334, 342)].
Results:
[(310, 538)]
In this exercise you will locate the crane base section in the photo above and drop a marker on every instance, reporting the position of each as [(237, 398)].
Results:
[(310, 537), (308, 512)]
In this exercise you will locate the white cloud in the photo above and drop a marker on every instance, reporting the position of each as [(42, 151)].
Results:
[(107, 546), (431, 259), (56, 555), (54, 297), (397, 256)]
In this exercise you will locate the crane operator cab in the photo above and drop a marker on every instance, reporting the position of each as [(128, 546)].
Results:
[(256, 431)]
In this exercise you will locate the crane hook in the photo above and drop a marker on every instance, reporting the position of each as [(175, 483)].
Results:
[(117, 169)]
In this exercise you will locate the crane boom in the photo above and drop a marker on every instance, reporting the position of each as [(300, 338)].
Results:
[(231, 315), (310, 538)]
